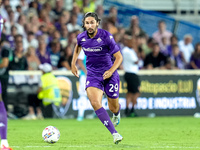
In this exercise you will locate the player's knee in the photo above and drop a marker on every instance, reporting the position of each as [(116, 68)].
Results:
[(95, 104)]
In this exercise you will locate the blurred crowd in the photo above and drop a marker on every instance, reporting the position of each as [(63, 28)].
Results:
[(45, 31)]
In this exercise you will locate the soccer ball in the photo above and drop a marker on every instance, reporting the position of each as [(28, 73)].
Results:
[(51, 134)]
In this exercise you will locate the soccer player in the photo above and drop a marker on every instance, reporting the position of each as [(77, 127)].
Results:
[(99, 47)]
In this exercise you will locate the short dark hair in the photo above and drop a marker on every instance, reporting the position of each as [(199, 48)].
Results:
[(90, 14)]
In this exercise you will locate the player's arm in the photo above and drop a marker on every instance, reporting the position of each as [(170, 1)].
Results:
[(116, 64), (74, 69)]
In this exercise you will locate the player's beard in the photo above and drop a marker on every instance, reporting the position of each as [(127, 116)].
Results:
[(91, 33)]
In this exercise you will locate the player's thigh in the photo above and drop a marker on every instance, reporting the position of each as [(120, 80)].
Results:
[(94, 88), (95, 96)]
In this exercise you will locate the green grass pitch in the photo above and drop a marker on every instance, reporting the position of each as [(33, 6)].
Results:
[(159, 133)]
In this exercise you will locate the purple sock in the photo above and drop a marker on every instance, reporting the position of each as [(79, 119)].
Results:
[(118, 110), (3, 121), (105, 119)]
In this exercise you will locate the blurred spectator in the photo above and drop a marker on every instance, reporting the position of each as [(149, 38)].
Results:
[(48, 8), (141, 46), (155, 59), (19, 38), (55, 53), (59, 8), (111, 27), (118, 39), (32, 59), (24, 6), (73, 26), (11, 38), (35, 20), (9, 23), (130, 65), (65, 59), (62, 21), (35, 5), (5, 7), (173, 41), (150, 43), (20, 24), (100, 11), (162, 32), (72, 40), (64, 36), (32, 40), (76, 10), (135, 29), (186, 48), (195, 58), (18, 11), (164, 46), (113, 12), (176, 58), (54, 36), (42, 53), (48, 92), (86, 5), (45, 20), (19, 61)]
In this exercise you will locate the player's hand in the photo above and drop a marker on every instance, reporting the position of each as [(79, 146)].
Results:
[(107, 74), (74, 70)]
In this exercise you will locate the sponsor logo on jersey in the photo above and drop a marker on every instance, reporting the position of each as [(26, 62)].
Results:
[(99, 40), (92, 49)]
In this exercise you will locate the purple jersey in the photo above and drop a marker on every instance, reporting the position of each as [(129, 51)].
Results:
[(99, 51)]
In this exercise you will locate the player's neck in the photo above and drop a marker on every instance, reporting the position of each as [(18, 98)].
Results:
[(93, 35)]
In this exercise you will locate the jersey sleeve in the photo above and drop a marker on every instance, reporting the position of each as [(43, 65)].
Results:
[(78, 40), (112, 44)]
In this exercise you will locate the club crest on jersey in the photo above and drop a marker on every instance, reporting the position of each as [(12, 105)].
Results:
[(99, 40), (111, 36)]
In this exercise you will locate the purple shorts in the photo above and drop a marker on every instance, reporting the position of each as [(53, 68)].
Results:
[(109, 86)]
